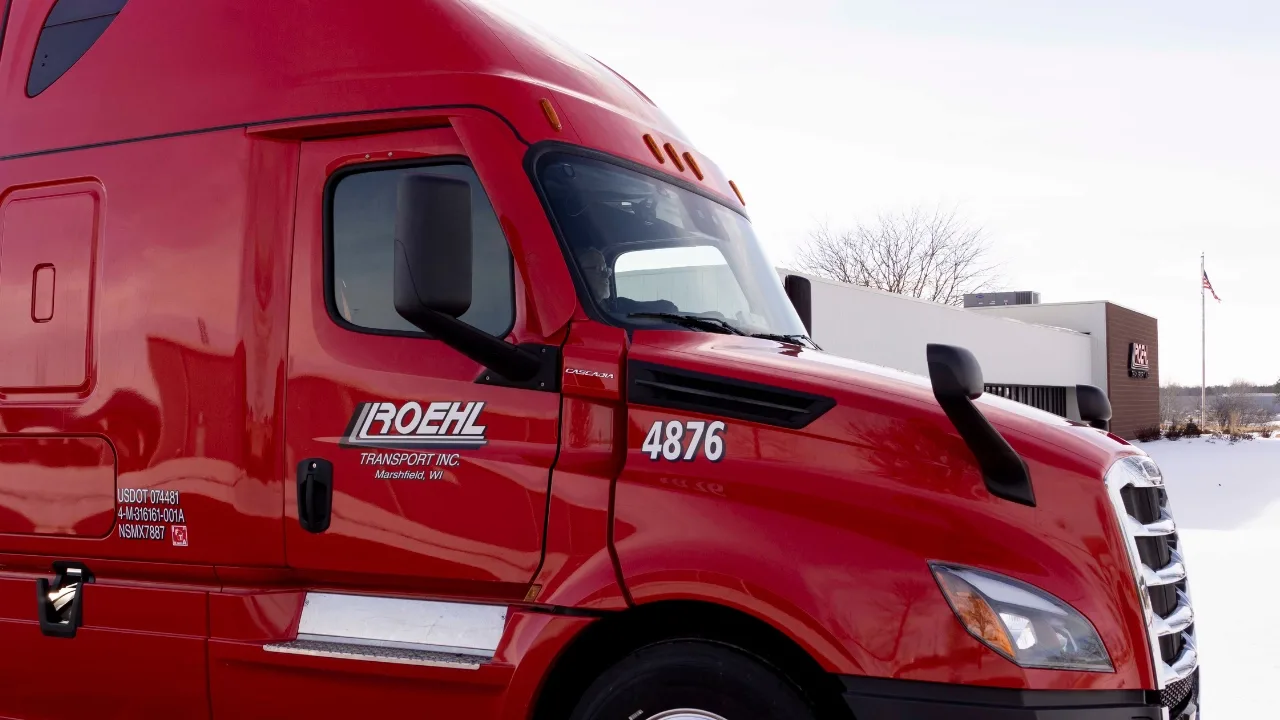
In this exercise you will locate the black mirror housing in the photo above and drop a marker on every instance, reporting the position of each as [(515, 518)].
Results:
[(433, 274), (800, 292), (954, 372), (1095, 407), (956, 377), (432, 247)]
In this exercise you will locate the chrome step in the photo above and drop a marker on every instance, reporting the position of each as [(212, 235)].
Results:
[(378, 653)]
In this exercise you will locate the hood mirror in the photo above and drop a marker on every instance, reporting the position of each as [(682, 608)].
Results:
[(957, 381), (800, 292), (1095, 407)]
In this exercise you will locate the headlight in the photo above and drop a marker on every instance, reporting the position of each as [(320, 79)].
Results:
[(1023, 623)]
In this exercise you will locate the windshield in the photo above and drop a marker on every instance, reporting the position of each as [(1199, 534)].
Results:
[(651, 254)]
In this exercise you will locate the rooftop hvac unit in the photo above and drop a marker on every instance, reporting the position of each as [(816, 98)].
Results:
[(1019, 297)]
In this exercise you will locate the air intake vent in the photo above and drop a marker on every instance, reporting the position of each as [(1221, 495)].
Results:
[(668, 387)]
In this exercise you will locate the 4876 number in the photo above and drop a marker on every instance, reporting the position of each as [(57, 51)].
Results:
[(674, 440)]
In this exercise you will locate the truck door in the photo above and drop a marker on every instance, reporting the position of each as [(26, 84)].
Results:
[(438, 476)]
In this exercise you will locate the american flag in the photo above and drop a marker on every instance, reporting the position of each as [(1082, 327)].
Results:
[(1209, 286)]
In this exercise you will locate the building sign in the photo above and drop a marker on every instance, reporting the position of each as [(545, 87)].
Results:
[(1138, 365)]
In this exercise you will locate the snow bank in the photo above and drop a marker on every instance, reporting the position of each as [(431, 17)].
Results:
[(1226, 498)]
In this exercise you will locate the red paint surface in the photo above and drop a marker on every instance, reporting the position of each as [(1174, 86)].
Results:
[(45, 230), (193, 143), (482, 521), (57, 485), (827, 531), (130, 633), (578, 570)]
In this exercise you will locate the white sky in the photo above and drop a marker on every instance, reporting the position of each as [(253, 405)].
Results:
[(1103, 144)]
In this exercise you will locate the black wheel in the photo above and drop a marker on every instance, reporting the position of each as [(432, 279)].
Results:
[(688, 680)]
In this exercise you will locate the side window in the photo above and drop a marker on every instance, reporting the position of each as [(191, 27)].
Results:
[(71, 28), (362, 226)]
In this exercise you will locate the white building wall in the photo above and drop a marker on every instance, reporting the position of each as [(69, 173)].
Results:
[(1085, 317), (693, 289), (893, 330)]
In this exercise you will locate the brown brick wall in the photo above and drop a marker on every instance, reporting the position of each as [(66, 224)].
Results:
[(1135, 402)]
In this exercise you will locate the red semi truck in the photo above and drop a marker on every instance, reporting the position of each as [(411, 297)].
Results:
[(342, 374)]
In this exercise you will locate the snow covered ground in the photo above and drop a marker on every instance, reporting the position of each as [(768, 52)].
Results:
[(1226, 498)]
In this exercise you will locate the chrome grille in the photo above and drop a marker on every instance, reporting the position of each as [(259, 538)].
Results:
[(1141, 504)]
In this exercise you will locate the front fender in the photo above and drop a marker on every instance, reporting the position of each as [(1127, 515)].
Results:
[(830, 544)]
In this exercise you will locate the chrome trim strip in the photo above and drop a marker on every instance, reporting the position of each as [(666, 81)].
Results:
[(395, 645), (1172, 573), (1164, 526), (1181, 668), (394, 656), (390, 622), (1180, 619)]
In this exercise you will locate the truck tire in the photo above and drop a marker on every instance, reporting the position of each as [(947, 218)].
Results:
[(691, 680)]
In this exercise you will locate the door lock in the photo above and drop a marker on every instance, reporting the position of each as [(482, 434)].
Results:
[(60, 603)]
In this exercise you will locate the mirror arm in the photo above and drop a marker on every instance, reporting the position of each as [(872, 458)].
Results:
[(500, 356)]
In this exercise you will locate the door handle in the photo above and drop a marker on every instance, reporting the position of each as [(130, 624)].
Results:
[(60, 604), (315, 494)]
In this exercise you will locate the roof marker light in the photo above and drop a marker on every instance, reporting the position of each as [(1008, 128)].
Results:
[(675, 157), (552, 117), (737, 192), (693, 165), (653, 148)]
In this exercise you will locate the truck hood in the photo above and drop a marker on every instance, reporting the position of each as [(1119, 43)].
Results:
[(854, 384)]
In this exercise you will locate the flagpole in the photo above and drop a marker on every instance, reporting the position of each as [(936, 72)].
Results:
[(1202, 336)]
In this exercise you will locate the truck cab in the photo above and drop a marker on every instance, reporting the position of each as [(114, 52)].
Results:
[(399, 356)]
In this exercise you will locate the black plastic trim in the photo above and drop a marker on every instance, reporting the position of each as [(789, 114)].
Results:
[(331, 186), (680, 389), (882, 699), (261, 123), (547, 378), (562, 611), (50, 625), (69, 11), (315, 493)]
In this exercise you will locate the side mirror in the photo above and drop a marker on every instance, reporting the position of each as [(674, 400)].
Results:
[(954, 372), (433, 273), (1095, 408), (433, 247), (956, 377), (800, 292)]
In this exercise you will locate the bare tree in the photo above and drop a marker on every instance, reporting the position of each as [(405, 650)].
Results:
[(1169, 414), (1235, 407), (930, 254)]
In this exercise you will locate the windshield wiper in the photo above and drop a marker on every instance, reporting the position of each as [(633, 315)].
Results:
[(692, 321), (796, 339)]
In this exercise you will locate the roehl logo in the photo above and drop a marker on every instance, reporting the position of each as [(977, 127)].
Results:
[(1138, 366), (412, 426), (1138, 356)]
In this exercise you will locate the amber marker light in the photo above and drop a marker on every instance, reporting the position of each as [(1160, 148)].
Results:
[(737, 192), (552, 117), (693, 165), (977, 616), (675, 157), (653, 148)]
